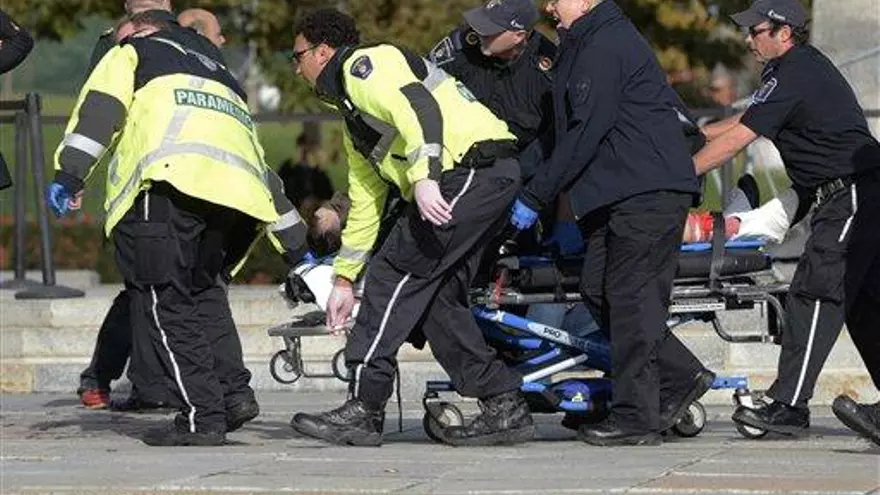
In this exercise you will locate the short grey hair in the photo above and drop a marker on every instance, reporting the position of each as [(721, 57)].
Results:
[(136, 6)]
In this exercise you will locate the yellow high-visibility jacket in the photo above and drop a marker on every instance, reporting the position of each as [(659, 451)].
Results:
[(171, 111), (405, 120)]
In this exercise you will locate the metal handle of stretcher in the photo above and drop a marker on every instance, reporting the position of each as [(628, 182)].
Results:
[(724, 296)]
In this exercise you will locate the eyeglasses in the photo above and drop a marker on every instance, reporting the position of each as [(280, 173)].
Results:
[(296, 57), (754, 33)]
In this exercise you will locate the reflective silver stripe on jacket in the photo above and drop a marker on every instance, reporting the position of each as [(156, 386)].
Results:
[(432, 150), (354, 254), (287, 221), (85, 144)]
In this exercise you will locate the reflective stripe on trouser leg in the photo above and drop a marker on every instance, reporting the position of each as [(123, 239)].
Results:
[(797, 391), (375, 343), (178, 378)]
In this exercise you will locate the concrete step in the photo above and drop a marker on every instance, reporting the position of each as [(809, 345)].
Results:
[(76, 279), (45, 344)]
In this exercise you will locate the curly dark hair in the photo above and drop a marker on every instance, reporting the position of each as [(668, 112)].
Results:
[(800, 35), (328, 26)]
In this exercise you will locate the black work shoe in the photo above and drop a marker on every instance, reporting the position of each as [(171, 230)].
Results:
[(863, 419), (241, 413), (505, 419), (573, 421), (134, 403), (354, 423), (177, 434), (776, 417), (609, 433), (674, 409), (749, 187)]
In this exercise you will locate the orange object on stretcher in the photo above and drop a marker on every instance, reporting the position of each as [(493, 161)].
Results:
[(698, 227)]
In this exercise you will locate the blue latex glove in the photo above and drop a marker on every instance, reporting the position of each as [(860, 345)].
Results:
[(521, 216), (58, 198), (309, 258), (567, 236)]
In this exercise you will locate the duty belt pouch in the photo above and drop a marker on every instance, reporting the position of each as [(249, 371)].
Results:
[(5, 177), (485, 153), (821, 270)]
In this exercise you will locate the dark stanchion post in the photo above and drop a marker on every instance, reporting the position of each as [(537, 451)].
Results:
[(49, 290), (20, 209), (727, 180)]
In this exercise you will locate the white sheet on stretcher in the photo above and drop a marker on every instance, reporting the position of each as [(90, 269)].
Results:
[(319, 279)]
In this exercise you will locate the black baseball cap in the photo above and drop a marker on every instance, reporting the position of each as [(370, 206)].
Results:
[(498, 16), (789, 12)]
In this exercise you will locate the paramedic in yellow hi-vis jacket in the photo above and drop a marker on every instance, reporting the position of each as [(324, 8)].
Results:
[(410, 125), (188, 192)]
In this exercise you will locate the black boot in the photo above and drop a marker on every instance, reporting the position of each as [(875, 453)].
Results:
[(749, 187), (505, 419), (135, 403), (677, 406), (776, 417), (354, 423), (177, 434), (239, 414), (610, 433), (863, 419)]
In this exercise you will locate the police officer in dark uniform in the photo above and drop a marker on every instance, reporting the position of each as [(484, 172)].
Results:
[(621, 155), (809, 111), (505, 64), (15, 44)]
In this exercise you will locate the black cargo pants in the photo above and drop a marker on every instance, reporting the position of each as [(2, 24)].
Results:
[(815, 305), (171, 248), (862, 283), (626, 282), (420, 278)]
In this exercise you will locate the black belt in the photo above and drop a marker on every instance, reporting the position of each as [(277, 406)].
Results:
[(485, 153), (832, 187)]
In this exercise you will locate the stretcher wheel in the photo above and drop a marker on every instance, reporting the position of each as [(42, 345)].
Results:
[(693, 422), (339, 369), (750, 432), (283, 368), (438, 417)]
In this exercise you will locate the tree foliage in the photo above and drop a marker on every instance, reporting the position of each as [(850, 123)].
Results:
[(686, 34)]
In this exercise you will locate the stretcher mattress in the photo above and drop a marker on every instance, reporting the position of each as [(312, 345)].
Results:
[(538, 274)]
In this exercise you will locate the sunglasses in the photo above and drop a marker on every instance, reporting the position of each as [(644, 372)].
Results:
[(755, 32), (296, 56)]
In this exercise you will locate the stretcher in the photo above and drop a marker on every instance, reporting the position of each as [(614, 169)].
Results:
[(711, 279)]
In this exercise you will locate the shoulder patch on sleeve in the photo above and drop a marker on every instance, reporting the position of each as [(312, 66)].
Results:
[(362, 67), (765, 91), (443, 52)]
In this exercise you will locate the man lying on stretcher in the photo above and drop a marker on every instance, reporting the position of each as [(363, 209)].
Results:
[(743, 221)]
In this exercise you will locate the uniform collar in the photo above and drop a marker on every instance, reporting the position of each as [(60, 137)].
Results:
[(774, 64), (164, 15), (593, 20), (329, 85)]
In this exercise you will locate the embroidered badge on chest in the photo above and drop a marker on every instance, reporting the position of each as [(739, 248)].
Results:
[(765, 91), (472, 38), (582, 91), (362, 67)]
